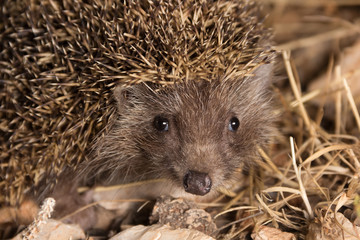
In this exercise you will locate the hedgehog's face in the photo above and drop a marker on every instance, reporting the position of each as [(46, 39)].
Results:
[(199, 135)]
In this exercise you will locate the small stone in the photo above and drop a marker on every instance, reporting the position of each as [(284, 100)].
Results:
[(179, 213)]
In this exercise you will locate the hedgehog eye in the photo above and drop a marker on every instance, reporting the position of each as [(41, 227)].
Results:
[(161, 124), (234, 124)]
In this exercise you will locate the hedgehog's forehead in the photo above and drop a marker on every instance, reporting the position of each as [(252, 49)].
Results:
[(196, 98)]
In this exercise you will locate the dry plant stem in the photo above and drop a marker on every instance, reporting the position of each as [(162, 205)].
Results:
[(306, 97), (301, 185), (44, 214), (251, 186), (288, 204), (317, 39), (338, 101), (276, 216), (356, 162), (324, 151), (239, 220), (333, 202), (321, 146), (305, 147), (329, 73), (323, 168), (248, 208), (286, 57), (235, 200), (142, 206), (352, 168), (226, 192), (234, 234), (98, 202), (270, 163), (283, 189), (281, 202), (121, 186), (314, 180), (352, 102)]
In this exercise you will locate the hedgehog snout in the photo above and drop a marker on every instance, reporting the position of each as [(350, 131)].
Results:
[(197, 183)]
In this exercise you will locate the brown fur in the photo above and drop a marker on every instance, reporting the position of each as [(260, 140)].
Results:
[(198, 138)]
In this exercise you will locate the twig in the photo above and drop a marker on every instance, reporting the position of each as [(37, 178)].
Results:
[(44, 214), (301, 185), (286, 56), (352, 102)]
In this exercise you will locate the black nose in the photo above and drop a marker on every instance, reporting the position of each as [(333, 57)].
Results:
[(197, 183)]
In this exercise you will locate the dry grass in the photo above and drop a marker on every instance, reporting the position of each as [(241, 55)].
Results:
[(317, 176), (313, 174)]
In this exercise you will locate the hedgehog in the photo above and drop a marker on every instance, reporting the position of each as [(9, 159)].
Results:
[(120, 91)]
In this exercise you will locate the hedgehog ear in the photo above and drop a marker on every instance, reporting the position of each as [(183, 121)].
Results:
[(264, 74), (123, 95), (262, 78)]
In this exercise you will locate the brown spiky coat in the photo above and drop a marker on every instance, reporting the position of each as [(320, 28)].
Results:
[(61, 60)]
